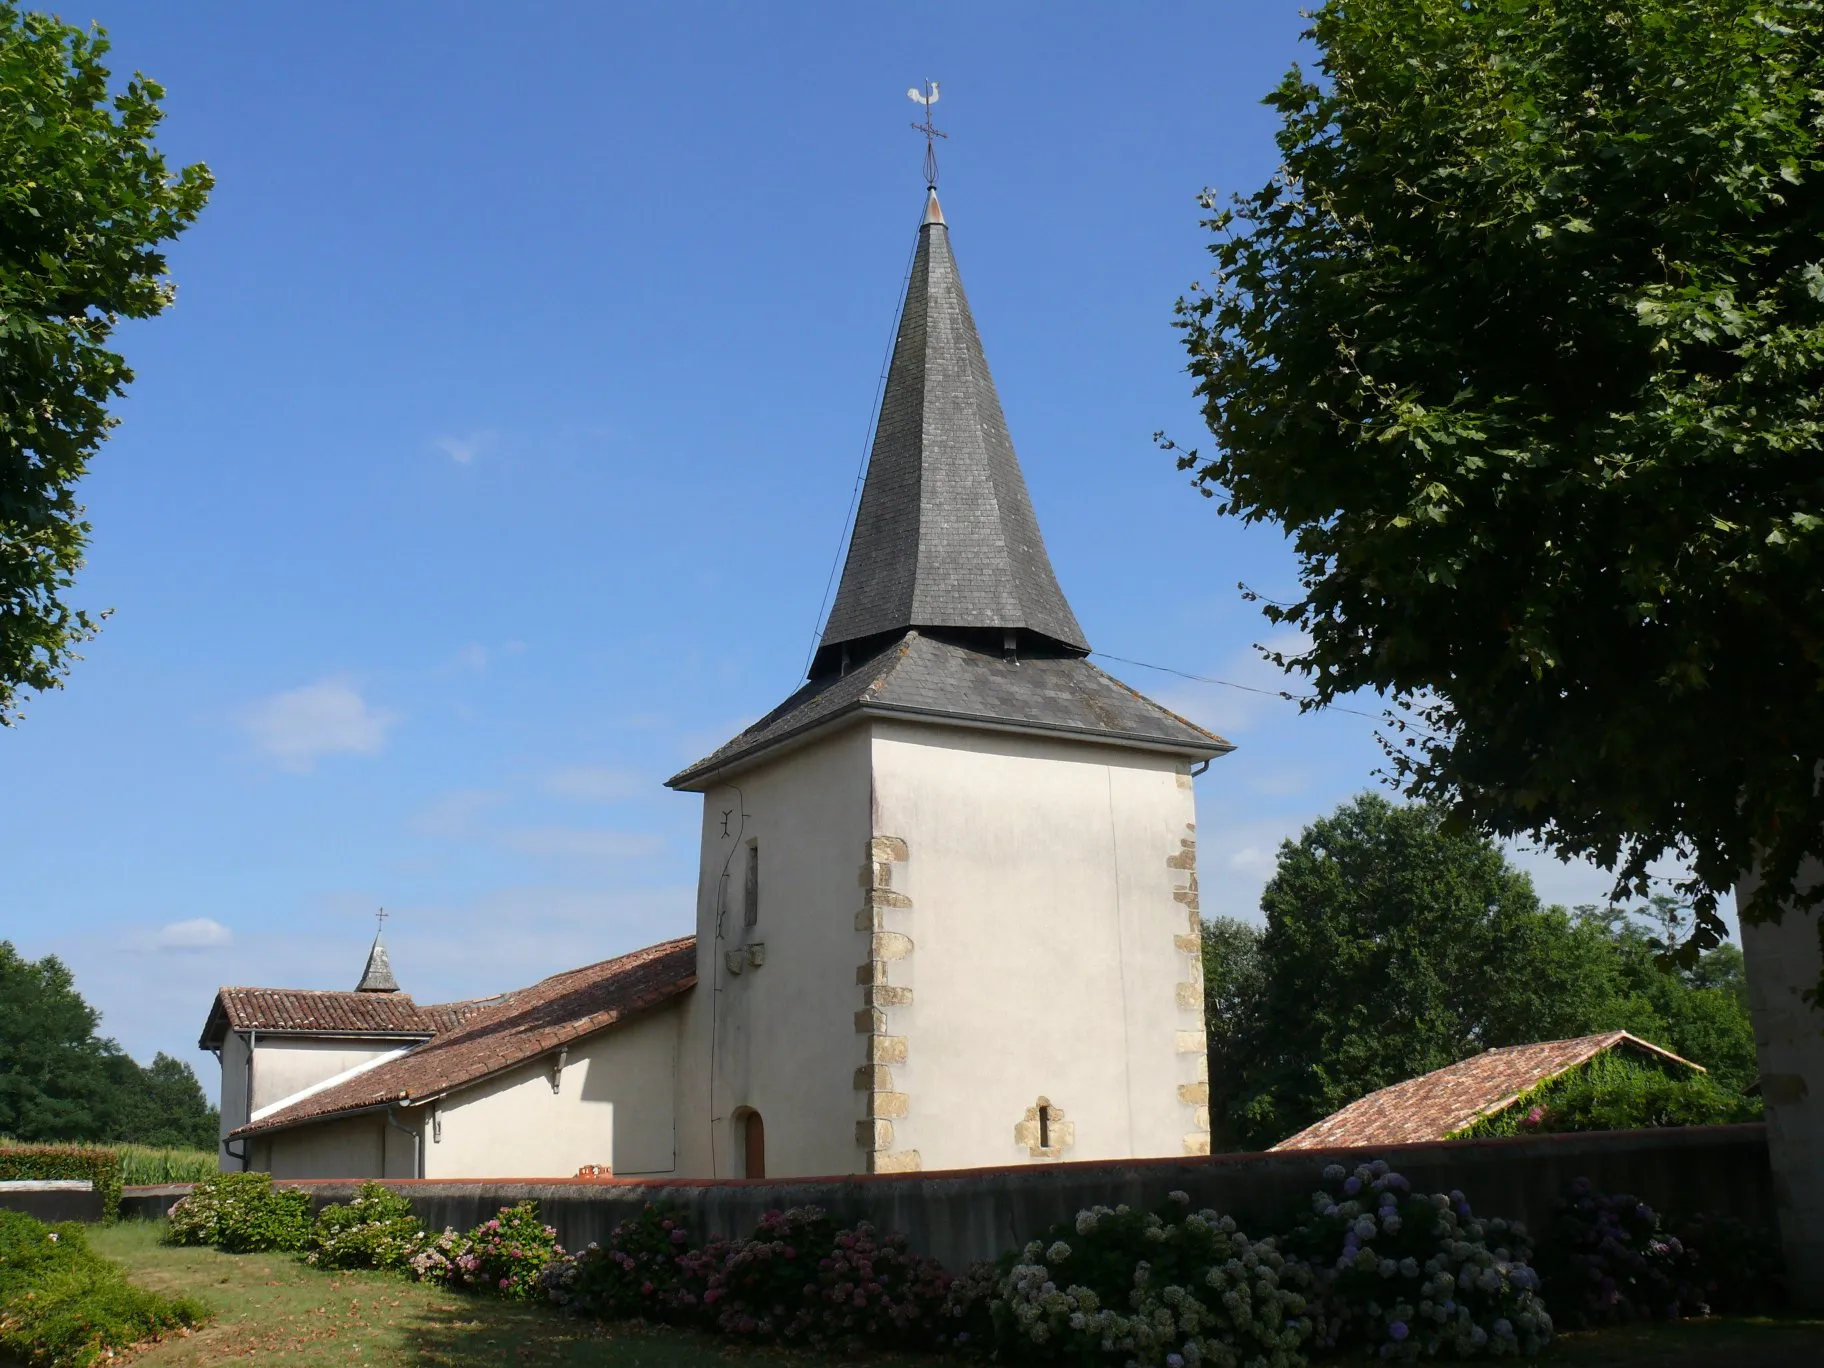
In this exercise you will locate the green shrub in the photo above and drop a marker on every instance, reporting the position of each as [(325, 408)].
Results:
[(375, 1230), (1616, 1092), (241, 1213), (64, 1306), (94, 1163)]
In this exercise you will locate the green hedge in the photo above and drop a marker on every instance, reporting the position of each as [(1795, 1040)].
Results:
[(98, 1165), (64, 1306)]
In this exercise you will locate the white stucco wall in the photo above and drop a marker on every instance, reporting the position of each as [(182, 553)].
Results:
[(615, 1105), (234, 1108), (1782, 961), (359, 1147), (1038, 930), (1048, 955), (779, 1037), (283, 1065)]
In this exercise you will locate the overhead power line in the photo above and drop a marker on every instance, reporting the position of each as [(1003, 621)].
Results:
[(1231, 684)]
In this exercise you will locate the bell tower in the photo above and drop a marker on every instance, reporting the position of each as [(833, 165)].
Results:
[(947, 909)]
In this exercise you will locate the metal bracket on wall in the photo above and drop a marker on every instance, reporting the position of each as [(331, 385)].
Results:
[(557, 1067)]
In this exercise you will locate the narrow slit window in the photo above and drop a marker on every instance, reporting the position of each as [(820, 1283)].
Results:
[(750, 895), (1044, 1127)]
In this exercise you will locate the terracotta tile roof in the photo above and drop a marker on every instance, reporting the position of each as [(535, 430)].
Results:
[(1435, 1105), (508, 1031), (447, 1016), (306, 1011)]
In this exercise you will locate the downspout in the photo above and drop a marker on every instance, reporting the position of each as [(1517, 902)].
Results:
[(246, 1147), (392, 1119)]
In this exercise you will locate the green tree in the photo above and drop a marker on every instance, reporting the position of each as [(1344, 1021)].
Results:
[(85, 202), (1524, 348), (1234, 993), (55, 1078), (59, 1080), (1700, 1012), (1394, 945)]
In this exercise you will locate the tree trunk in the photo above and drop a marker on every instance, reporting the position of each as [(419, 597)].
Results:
[(1783, 961)]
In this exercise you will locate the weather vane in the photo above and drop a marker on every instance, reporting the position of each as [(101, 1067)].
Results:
[(928, 97)]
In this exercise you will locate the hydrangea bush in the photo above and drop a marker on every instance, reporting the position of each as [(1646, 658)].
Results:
[(1407, 1275), (439, 1258), (374, 1230), (1610, 1259), (242, 1213), (634, 1276), (1737, 1266), (1171, 1288), (505, 1256), (797, 1278)]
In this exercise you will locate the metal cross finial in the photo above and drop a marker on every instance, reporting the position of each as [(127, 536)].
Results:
[(380, 919), (928, 97)]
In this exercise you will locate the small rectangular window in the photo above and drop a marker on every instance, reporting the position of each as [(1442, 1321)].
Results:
[(750, 898), (1044, 1127)]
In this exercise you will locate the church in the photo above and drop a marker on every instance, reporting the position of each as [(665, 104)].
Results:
[(947, 910)]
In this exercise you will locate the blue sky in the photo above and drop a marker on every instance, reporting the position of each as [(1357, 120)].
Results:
[(492, 462)]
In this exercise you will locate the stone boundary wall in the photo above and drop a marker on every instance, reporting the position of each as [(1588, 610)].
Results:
[(52, 1202), (969, 1214)]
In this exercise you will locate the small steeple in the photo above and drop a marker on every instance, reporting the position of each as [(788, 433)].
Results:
[(945, 538), (378, 976)]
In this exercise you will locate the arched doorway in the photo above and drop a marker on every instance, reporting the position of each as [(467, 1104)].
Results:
[(753, 1143)]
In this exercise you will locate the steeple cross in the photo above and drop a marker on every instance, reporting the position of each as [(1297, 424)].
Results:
[(928, 97), (380, 919)]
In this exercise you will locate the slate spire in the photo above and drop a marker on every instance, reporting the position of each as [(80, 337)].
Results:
[(378, 976), (945, 539)]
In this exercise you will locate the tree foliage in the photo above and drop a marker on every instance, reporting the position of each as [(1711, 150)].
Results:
[(1524, 348), (85, 202), (1394, 946), (59, 1080)]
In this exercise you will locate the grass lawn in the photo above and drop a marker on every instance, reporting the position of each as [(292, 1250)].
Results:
[(1732, 1342), (273, 1309)]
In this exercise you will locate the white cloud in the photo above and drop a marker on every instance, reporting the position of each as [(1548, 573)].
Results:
[(464, 450), (297, 727), (592, 783), (474, 657), (585, 842), (198, 933)]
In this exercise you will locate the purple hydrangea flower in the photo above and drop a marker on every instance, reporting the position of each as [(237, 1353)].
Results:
[(1398, 1330)]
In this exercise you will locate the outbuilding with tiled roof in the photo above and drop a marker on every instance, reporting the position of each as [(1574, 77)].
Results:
[(1437, 1105)]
